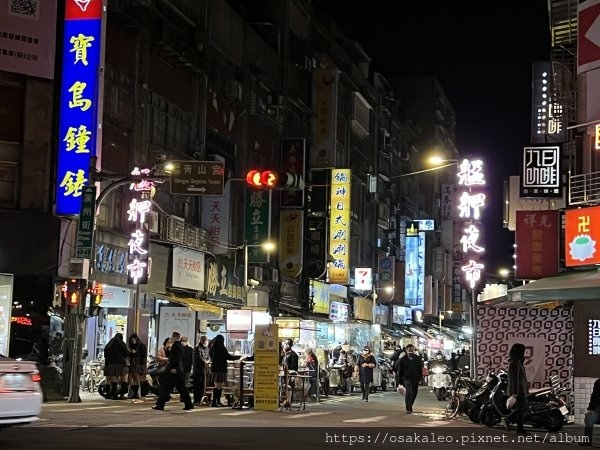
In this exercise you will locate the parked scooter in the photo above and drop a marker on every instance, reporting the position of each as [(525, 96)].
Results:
[(475, 400), (440, 381), (546, 409)]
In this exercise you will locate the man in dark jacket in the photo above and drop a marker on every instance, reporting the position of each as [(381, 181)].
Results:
[(592, 415), (175, 376), (200, 360), (410, 372), (290, 357)]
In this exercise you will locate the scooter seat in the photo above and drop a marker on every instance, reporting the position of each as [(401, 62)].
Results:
[(538, 391)]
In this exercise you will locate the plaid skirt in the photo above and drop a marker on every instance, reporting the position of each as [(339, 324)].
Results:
[(219, 377), (115, 370), (141, 369)]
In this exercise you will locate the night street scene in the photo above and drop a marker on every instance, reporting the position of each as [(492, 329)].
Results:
[(297, 224)]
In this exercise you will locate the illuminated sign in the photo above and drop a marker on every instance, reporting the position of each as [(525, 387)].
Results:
[(582, 235), (137, 218), (78, 113), (548, 115), (470, 178), (426, 224), (597, 137), (414, 280), (339, 226), (362, 279), (541, 172), (21, 321), (593, 337)]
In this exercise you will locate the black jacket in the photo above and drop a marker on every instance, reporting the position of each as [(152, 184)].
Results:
[(187, 358), (200, 358), (595, 397), (410, 368), (115, 352), (290, 360), (219, 357), (176, 357), (140, 354)]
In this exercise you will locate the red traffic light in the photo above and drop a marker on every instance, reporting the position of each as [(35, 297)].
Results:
[(253, 178), (267, 179)]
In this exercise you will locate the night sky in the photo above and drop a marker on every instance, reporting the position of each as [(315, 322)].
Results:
[(482, 53)]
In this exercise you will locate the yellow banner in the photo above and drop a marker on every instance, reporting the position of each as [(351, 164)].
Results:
[(266, 367), (291, 226), (339, 226)]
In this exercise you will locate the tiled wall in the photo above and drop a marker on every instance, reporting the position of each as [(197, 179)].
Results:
[(583, 391)]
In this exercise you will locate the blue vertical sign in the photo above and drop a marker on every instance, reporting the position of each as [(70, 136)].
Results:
[(77, 130), (414, 287)]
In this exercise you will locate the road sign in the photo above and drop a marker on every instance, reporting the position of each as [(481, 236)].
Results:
[(198, 178), (588, 45)]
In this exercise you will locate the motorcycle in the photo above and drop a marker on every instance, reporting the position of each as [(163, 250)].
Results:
[(546, 409), (387, 373), (440, 381), (474, 401)]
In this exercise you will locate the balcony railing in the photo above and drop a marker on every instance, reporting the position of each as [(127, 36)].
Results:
[(584, 188)]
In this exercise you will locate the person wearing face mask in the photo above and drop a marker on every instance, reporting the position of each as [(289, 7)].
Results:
[(410, 372), (290, 357), (364, 367), (187, 359), (200, 360)]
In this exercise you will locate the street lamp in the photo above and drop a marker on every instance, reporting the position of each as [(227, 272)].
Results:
[(267, 246), (504, 272)]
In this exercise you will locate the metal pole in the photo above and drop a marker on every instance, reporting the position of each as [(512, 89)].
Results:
[(474, 332), (137, 316), (245, 268)]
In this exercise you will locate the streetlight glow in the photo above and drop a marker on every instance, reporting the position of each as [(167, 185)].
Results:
[(504, 272), (436, 160), (268, 246)]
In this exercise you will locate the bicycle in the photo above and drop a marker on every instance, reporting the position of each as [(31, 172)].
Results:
[(461, 387)]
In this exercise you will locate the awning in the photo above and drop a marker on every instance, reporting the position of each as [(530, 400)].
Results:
[(578, 285), (192, 303)]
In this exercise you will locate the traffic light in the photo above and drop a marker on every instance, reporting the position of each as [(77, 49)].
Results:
[(73, 292), (96, 293), (274, 179)]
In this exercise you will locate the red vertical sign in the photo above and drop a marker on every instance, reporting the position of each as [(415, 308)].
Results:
[(537, 237)]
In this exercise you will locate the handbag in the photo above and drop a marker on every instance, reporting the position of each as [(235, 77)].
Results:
[(401, 390), (511, 402)]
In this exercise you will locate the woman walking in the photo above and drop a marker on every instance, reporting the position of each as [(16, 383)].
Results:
[(219, 357), (517, 382), (364, 367)]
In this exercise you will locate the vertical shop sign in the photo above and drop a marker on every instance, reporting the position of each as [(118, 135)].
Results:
[(293, 153), (266, 367), (414, 280), (85, 227), (471, 178), (257, 227), (537, 235), (215, 219), (137, 218), (79, 111), (339, 226), (315, 243), (291, 227), (325, 98), (541, 172)]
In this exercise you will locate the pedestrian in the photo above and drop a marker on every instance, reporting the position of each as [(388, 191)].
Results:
[(592, 415), (175, 376), (200, 365), (290, 357), (347, 369), (188, 358), (365, 364), (219, 357), (312, 365), (410, 372), (138, 355), (116, 365), (517, 382), (453, 363), (464, 362)]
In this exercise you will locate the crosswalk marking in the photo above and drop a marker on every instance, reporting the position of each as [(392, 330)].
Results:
[(237, 413), (365, 419), (304, 415)]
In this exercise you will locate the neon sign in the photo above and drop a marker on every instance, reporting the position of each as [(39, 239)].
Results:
[(471, 177), (137, 217), (26, 321), (78, 113)]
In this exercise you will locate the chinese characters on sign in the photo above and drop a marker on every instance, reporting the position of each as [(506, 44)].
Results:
[(85, 228), (291, 227), (215, 219), (593, 337), (541, 172), (188, 269), (582, 232), (198, 177), (78, 122), (471, 201), (339, 226), (325, 99), (547, 112), (266, 367), (537, 236), (137, 218), (414, 280), (257, 226)]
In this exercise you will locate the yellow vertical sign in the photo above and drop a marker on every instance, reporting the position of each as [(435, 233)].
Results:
[(266, 367), (339, 226)]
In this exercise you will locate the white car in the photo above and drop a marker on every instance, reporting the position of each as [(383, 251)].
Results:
[(20, 392)]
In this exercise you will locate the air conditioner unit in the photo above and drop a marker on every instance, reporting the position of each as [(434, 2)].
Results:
[(153, 220), (275, 101), (255, 273)]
